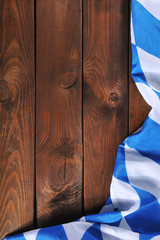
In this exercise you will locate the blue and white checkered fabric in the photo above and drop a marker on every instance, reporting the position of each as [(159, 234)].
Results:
[(133, 210)]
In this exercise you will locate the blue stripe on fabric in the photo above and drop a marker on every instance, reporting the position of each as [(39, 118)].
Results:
[(54, 233), (93, 233), (109, 201), (147, 236), (147, 142), (147, 218), (120, 166), (115, 224), (137, 72), (109, 217), (146, 29)]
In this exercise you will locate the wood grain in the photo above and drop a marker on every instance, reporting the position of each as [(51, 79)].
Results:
[(105, 94), (59, 111), (16, 115)]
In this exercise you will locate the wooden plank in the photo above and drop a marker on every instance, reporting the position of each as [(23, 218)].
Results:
[(59, 111), (16, 115), (105, 94)]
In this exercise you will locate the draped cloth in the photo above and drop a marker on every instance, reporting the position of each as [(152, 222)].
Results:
[(132, 211)]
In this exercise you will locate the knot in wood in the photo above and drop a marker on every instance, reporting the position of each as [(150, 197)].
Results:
[(113, 99), (4, 91), (68, 80)]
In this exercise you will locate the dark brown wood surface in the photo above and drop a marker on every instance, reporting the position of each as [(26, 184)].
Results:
[(60, 128), (105, 94), (59, 111), (16, 115)]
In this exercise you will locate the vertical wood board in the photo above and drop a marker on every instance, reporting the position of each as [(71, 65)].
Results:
[(16, 115), (59, 153), (105, 94)]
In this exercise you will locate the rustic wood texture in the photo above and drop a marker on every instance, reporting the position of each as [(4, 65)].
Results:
[(105, 115), (86, 104), (59, 111), (16, 115)]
